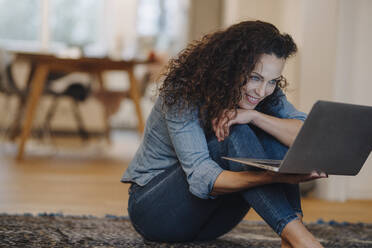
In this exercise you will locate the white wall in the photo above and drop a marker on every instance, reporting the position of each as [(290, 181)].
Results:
[(335, 66), (318, 51), (204, 18), (353, 75), (333, 62), (318, 56)]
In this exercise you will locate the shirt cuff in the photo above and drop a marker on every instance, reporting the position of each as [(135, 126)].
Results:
[(207, 187)]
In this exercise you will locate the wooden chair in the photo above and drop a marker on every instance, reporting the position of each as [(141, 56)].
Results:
[(76, 91)]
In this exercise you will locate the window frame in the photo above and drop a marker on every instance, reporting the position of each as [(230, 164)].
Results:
[(44, 42)]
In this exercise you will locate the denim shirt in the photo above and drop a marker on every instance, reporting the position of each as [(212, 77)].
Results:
[(176, 138)]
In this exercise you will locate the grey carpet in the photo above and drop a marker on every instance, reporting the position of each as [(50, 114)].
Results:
[(69, 231)]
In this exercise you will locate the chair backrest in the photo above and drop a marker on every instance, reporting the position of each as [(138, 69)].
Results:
[(7, 83), (77, 91), (3, 74)]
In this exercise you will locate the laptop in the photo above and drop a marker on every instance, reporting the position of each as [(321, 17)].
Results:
[(336, 138)]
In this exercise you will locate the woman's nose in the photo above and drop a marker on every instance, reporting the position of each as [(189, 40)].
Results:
[(260, 90)]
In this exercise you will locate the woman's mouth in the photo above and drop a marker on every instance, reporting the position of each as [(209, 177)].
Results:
[(253, 100)]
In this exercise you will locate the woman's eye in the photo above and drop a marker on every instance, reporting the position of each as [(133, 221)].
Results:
[(273, 82), (254, 78)]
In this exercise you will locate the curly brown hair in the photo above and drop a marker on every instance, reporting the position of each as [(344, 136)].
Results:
[(209, 74)]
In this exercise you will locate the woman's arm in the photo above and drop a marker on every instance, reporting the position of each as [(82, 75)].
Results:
[(230, 181), (284, 130), (187, 139), (284, 125)]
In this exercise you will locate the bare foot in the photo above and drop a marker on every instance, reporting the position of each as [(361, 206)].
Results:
[(296, 234), (285, 244)]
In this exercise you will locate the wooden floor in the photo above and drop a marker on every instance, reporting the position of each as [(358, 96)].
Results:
[(82, 181)]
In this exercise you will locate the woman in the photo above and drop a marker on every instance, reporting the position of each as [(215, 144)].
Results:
[(221, 97)]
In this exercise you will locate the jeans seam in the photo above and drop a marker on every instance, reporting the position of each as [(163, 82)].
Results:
[(295, 209), (272, 210), (283, 222), (155, 186)]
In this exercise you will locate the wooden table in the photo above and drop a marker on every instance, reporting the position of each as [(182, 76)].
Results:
[(46, 63)]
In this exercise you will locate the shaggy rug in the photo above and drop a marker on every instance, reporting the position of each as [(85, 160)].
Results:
[(55, 230)]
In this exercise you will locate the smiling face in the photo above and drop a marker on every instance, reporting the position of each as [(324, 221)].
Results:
[(262, 81)]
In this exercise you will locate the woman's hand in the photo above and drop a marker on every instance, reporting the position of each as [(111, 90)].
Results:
[(222, 127), (295, 178)]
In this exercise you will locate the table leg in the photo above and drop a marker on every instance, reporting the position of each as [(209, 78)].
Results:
[(15, 127), (106, 112), (135, 96), (37, 86)]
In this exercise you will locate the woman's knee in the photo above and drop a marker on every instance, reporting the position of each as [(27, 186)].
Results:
[(243, 142), (238, 134), (273, 147), (241, 131)]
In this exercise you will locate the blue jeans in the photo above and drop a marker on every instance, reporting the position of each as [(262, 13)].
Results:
[(165, 210)]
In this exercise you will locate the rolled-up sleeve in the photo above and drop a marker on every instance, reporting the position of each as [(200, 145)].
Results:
[(286, 110), (191, 148)]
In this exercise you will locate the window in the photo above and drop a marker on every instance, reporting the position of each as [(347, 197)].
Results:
[(20, 21), (75, 22), (161, 24), (99, 26), (66, 22)]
